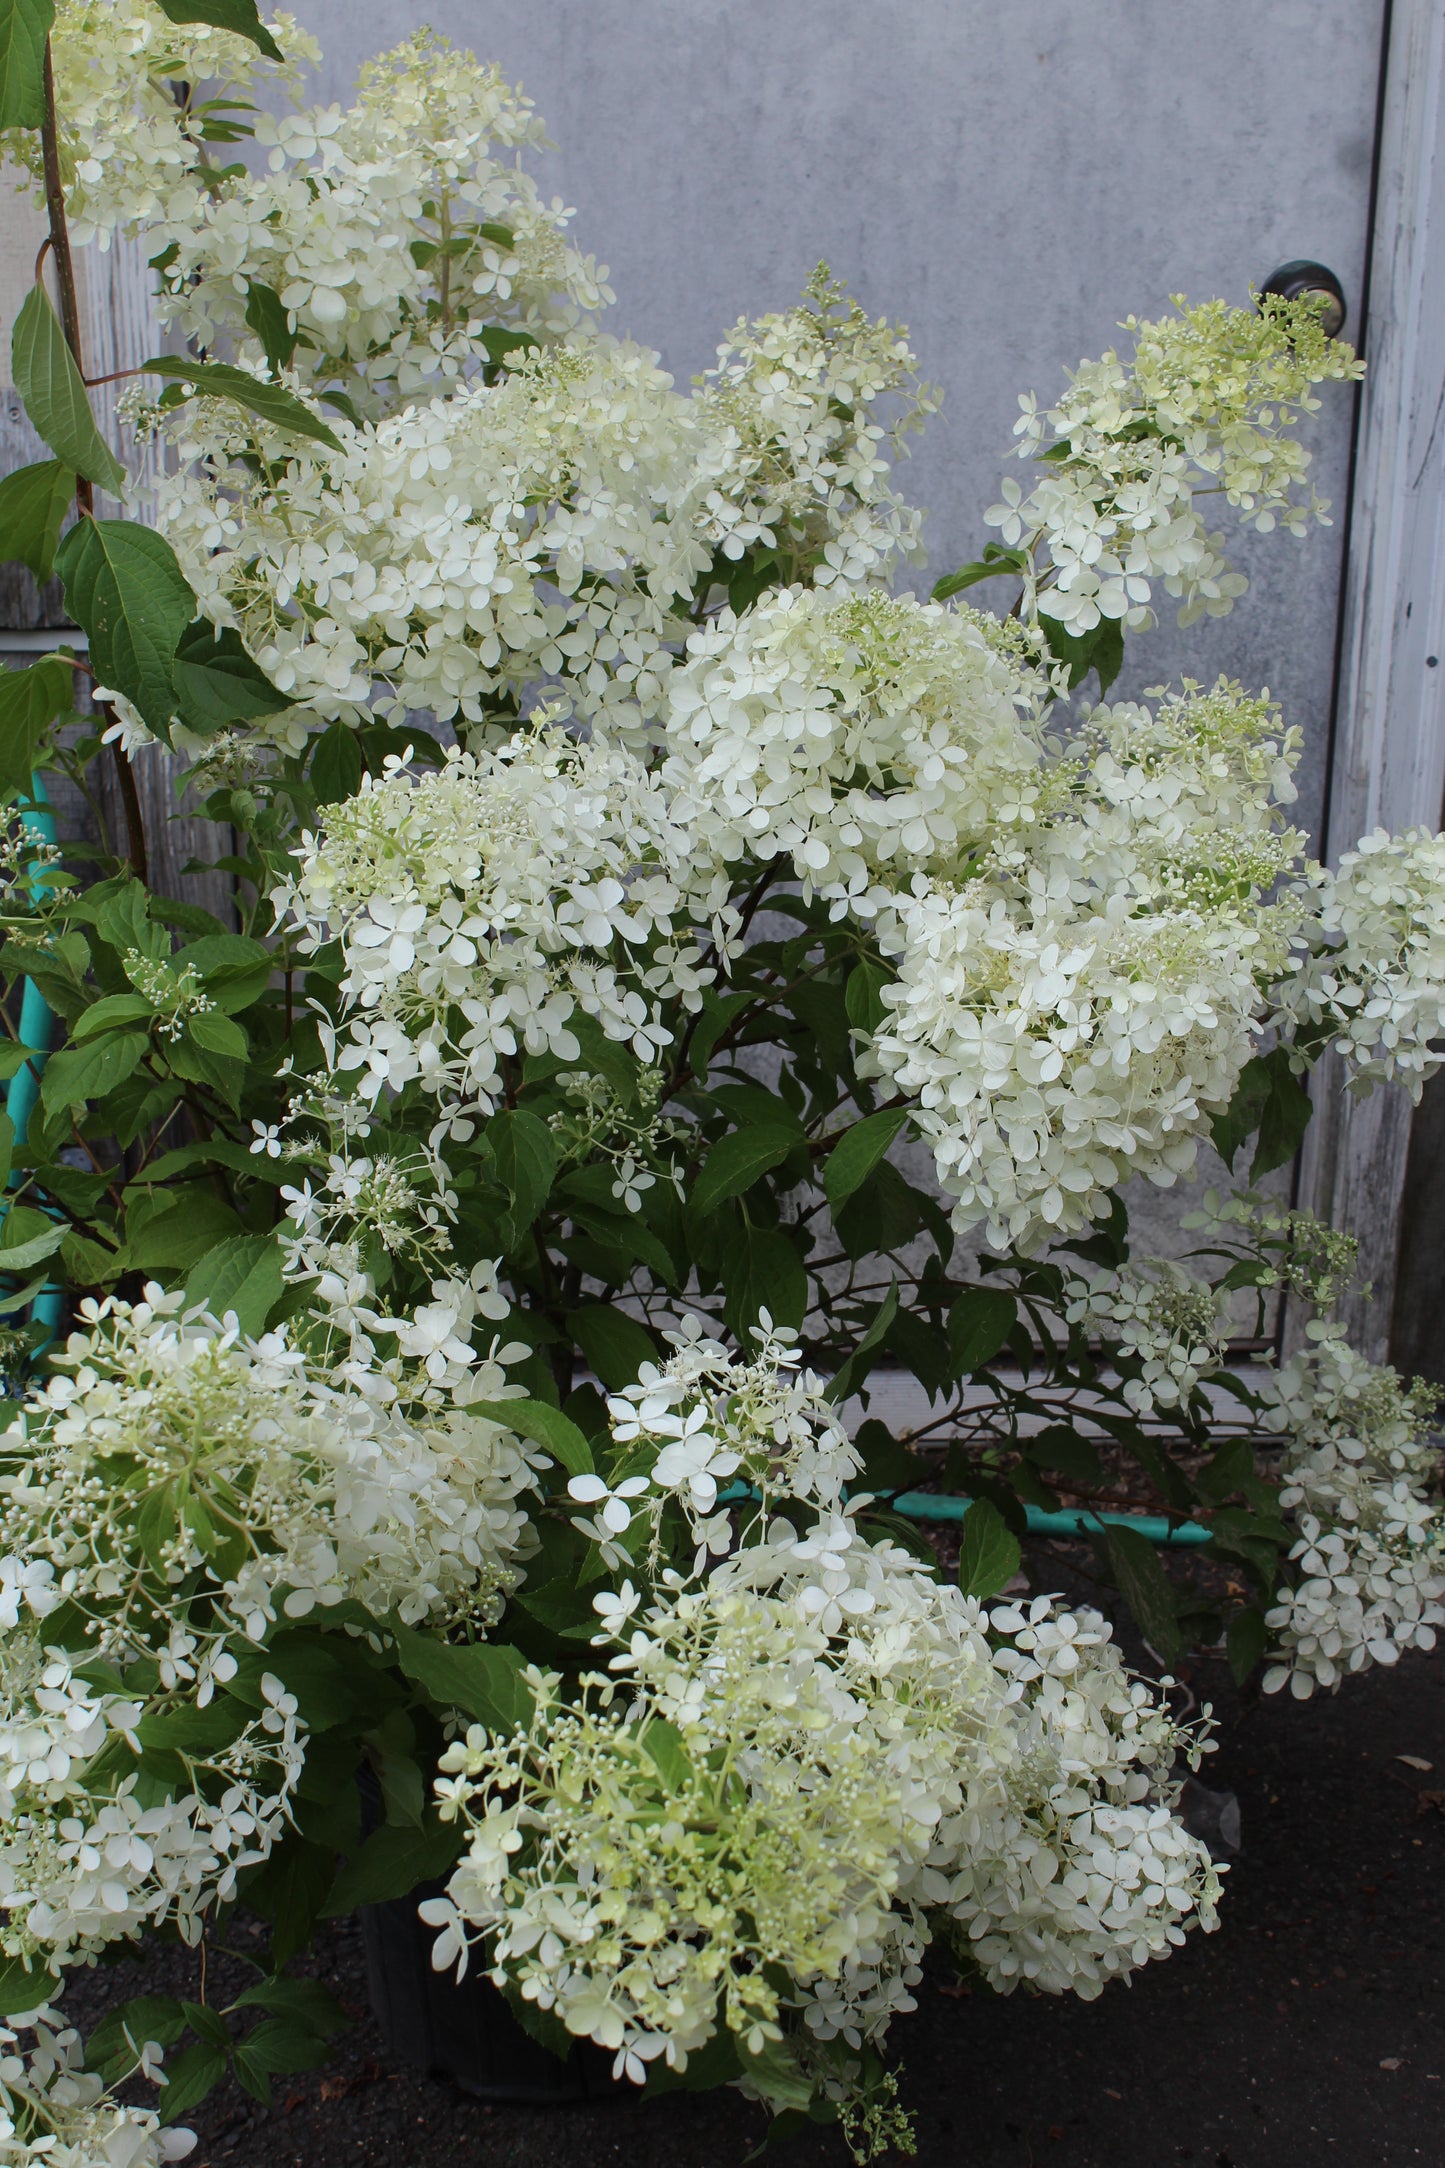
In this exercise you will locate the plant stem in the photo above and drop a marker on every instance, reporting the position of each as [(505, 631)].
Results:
[(84, 494)]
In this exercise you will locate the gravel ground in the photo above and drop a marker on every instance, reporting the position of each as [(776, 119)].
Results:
[(1308, 2029)]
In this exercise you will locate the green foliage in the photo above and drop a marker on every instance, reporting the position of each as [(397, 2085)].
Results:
[(988, 1551), (241, 16), (53, 393), (24, 28), (218, 380), (123, 584), (30, 701), (33, 503)]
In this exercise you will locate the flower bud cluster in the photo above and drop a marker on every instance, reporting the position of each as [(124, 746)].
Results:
[(1170, 1326)]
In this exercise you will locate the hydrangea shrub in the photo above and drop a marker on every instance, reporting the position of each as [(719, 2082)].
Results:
[(479, 1252)]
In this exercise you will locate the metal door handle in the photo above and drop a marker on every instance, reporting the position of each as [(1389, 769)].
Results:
[(1293, 280)]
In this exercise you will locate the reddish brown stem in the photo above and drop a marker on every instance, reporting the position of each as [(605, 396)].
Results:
[(84, 494)]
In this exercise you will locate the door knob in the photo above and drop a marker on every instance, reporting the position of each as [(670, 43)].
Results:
[(1293, 280)]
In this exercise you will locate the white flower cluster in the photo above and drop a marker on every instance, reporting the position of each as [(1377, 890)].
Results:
[(84, 1860), (794, 397), (131, 150), (322, 1492), (1073, 1014), (1362, 1479), (857, 735), (1375, 983), (819, 1757), (1206, 403), (1160, 1317), (481, 909), (54, 2113)]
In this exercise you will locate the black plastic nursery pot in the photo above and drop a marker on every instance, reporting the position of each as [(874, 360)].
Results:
[(462, 2029)]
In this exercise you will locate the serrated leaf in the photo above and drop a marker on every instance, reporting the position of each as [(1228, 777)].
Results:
[(1100, 649), (19, 1256), (337, 765), (240, 16), (545, 1426), (1246, 1640), (53, 393), (243, 1274), (268, 317), (858, 1152), (863, 996), (1144, 1585), (268, 402), (484, 1680), (988, 1551), (30, 700), (979, 1323), (305, 2001), (218, 1034), (737, 1160), (25, 1987), (615, 1345), (125, 586), (24, 28), (111, 2050), (289, 1891), (761, 1270), (217, 683), (33, 503), (190, 2076), (391, 1863), (79, 1074), (994, 562), (524, 1153)]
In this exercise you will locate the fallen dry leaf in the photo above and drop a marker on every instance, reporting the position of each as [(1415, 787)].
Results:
[(1413, 1761)]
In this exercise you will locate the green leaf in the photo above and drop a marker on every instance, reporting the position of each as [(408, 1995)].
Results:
[(391, 1863), (336, 765), (863, 996), (30, 700), (243, 1274), (23, 1987), (847, 1379), (268, 317), (1101, 648), (761, 1270), (988, 1551), (78, 1074), (995, 561), (107, 1014), (278, 2044), (112, 2049), (190, 2076), (33, 503), (24, 28), (736, 1162), (1246, 1640), (18, 1255), (545, 1426), (238, 15), (54, 395), (484, 1679), (124, 585), (289, 1891), (305, 2001), (978, 1325), (233, 969), (615, 1345), (217, 683), (858, 1152), (268, 402), (524, 1154), (1145, 1587), (219, 1035)]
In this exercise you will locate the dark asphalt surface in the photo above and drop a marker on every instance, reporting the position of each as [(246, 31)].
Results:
[(1309, 2030)]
